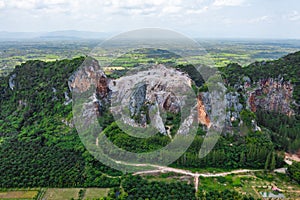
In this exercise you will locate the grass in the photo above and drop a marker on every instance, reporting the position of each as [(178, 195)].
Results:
[(10, 195), (68, 193), (92, 193), (61, 194)]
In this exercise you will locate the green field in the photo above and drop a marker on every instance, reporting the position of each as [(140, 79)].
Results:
[(61, 194), (54, 194), (68, 193)]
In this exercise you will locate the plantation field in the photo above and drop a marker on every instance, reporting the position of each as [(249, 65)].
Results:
[(54, 194), (68, 193), (92, 193), (13, 195), (61, 193)]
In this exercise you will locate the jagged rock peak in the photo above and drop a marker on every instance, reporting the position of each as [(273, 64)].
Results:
[(89, 75)]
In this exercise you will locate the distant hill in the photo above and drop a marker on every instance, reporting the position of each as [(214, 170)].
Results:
[(66, 34)]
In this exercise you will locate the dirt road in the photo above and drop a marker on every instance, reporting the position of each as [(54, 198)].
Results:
[(163, 169)]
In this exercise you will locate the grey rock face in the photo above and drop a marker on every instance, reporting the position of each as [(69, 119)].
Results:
[(68, 100), (11, 81), (137, 99), (233, 107), (157, 90)]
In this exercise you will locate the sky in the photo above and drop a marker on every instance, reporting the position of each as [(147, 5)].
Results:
[(200, 18)]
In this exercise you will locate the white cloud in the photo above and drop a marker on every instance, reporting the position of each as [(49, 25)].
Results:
[(198, 16), (293, 16), (144, 11), (227, 21), (198, 11), (36, 4), (22, 4), (107, 7), (2, 4), (222, 3), (264, 18), (171, 9), (157, 2)]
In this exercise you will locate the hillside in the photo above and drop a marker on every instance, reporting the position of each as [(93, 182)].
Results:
[(271, 90), (39, 145)]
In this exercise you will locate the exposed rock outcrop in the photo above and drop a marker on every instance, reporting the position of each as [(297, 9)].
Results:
[(90, 78), (271, 94), (102, 89), (233, 107), (54, 97), (68, 100), (203, 116), (11, 81), (158, 90), (171, 103), (137, 99), (154, 95)]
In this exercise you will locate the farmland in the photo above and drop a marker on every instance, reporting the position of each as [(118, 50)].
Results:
[(221, 52), (53, 193)]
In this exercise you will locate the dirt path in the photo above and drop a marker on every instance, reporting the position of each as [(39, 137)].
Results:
[(194, 175), (163, 169), (257, 193)]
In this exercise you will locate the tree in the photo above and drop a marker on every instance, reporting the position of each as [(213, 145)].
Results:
[(273, 162), (267, 162), (242, 158)]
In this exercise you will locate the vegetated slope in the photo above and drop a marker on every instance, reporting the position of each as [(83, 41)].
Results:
[(38, 145)]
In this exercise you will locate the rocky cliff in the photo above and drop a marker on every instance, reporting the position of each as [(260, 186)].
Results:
[(270, 94), (154, 94), (146, 101), (90, 77), (150, 95)]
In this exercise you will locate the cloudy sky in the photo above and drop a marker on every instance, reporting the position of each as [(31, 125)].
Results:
[(201, 18)]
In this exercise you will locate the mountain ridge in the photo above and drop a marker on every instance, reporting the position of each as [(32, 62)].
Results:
[(63, 34)]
